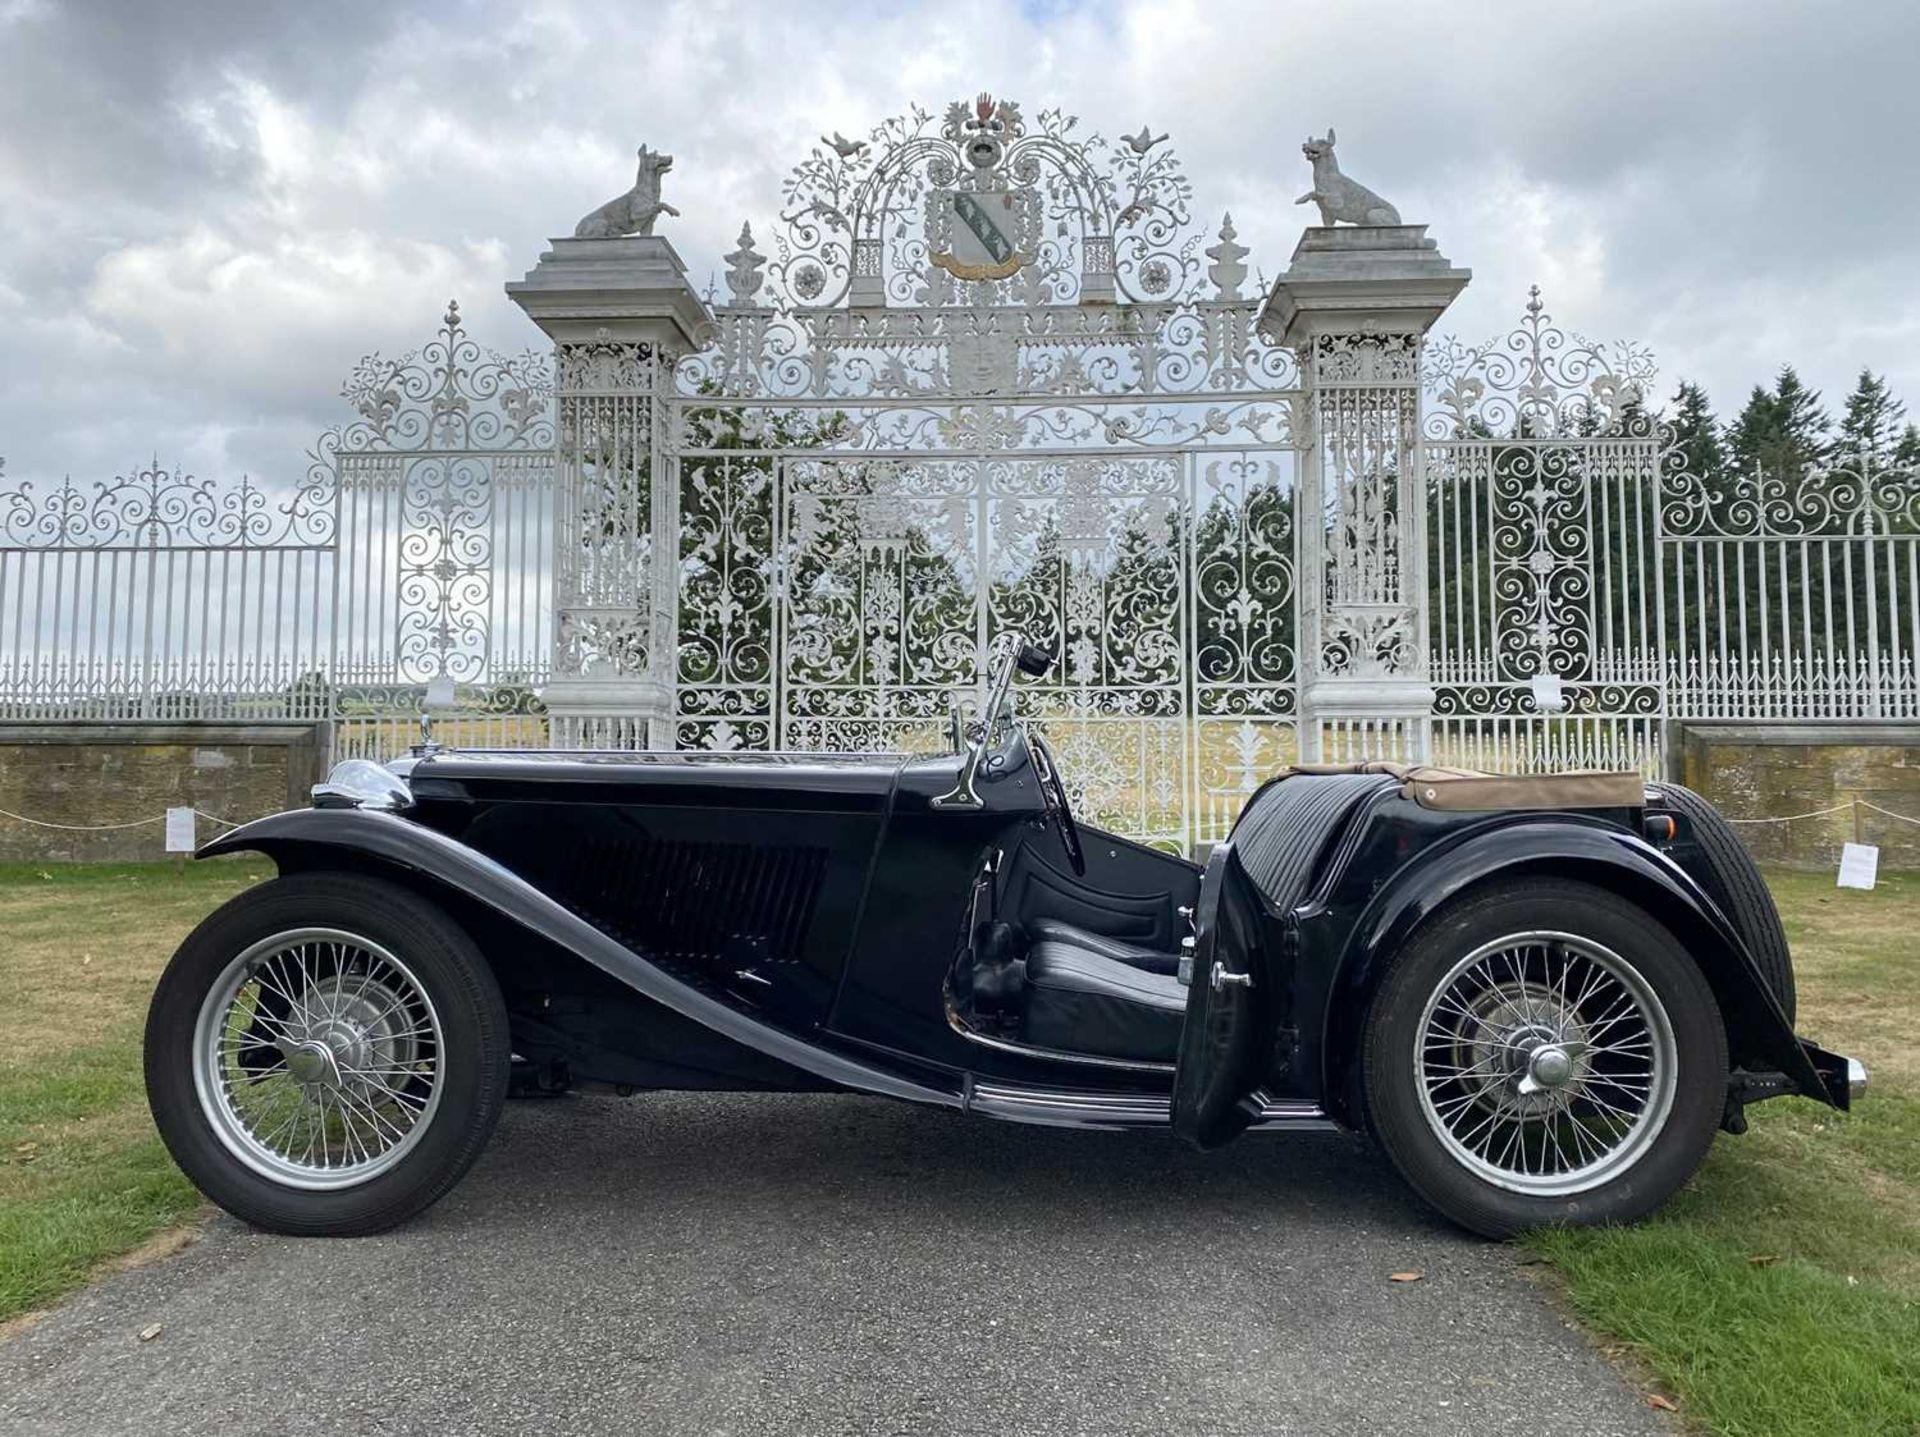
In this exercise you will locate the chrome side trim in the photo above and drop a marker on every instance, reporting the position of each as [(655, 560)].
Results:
[(1067, 1108), (1051, 1055), (1292, 1115), (1071, 1108), (1856, 1077)]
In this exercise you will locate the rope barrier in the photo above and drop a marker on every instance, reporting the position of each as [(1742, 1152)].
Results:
[(1796, 817), (1853, 804), (111, 827), (80, 827), (1889, 812)]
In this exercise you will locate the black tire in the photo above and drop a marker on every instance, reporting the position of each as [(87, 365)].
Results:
[(1392, 1086), (1732, 880), (474, 1052)]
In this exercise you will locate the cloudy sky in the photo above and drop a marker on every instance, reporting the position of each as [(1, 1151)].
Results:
[(208, 210)]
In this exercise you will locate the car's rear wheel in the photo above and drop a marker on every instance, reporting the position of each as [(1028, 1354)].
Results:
[(1541, 1054), (326, 1055)]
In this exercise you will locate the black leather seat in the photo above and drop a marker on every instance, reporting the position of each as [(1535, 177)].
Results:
[(1081, 998), (1132, 954)]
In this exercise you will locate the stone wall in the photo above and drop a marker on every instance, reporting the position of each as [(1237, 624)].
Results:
[(1757, 770), (86, 774)]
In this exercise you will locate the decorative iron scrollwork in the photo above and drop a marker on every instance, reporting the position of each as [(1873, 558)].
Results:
[(450, 394), (157, 508), (1538, 381), (984, 207)]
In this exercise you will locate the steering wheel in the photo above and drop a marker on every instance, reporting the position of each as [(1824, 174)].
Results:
[(1054, 793)]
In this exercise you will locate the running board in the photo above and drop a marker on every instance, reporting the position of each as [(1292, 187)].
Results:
[(1292, 1115), (1077, 1108)]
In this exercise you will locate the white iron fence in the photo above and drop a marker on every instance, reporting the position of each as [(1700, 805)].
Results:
[(419, 544), (887, 464), (1583, 591), (161, 597)]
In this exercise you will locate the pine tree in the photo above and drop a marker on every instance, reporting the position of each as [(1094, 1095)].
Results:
[(1696, 435), (1754, 440), (1906, 453), (1778, 440), (1782, 433), (1870, 435), (1803, 420)]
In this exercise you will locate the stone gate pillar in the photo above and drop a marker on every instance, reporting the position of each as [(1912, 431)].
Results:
[(620, 314), (1355, 305)]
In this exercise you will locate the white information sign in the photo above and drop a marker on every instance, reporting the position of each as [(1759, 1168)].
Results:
[(180, 831), (1859, 865), (1548, 696)]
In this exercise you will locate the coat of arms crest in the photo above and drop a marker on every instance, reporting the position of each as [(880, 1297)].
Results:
[(980, 225)]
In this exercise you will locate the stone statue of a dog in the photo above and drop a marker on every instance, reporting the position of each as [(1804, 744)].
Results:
[(635, 211), (1340, 198)]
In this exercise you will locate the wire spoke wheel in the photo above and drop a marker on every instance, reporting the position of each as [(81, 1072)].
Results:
[(1546, 1063), (318, 1058)]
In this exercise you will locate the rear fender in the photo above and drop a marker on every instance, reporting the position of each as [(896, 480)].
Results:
[(359, 838), (1758, 1033)]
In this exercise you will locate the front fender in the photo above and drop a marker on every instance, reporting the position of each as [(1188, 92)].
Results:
[(1759, 1037), (309, 835)]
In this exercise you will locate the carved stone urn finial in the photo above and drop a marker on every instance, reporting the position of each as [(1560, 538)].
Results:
[(1340, 198), (1229, 265), (743, 270)]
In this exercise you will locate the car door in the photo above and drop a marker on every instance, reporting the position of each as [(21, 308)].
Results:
[(1245, 936), (1229, 1023)]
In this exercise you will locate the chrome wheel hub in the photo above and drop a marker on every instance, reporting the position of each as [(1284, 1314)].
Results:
[(311, 1063), (1546, 1063), (345, 1029), (318, 1058), (1548, 1068)]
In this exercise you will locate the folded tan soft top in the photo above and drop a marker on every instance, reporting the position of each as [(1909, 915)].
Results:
[(1462, 790)]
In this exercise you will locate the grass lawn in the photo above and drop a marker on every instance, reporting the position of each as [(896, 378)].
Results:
[(83, 1178), (1779, 1293)]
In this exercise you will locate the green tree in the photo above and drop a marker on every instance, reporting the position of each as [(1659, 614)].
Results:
[(1907, 452), (1696, 436), (1804, 422), (1870, 429), (1781, 432)]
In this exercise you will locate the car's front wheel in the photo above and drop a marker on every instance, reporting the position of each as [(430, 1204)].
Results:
[(1544, 1053), (326, 1055)]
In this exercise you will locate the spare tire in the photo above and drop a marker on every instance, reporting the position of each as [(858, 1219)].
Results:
[(1732, 880)]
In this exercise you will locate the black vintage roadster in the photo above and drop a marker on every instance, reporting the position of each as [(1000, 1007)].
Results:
[(1541, 995)]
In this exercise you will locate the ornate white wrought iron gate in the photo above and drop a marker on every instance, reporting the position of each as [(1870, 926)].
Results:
[(1544, 602), (841, 603), (992, 375), (984, 397), (442, 492)]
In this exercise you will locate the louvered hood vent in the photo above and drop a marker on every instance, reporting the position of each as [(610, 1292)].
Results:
[(703, 902)]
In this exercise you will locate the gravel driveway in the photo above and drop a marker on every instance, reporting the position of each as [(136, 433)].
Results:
[(757, 1264)]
